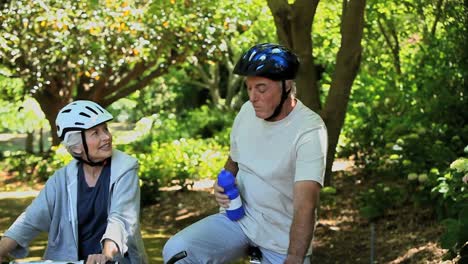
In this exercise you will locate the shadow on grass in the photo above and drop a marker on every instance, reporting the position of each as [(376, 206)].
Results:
[(10, 209)]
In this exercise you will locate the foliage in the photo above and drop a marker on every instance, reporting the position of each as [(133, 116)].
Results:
[(105, 51), (165, 94), (451, 196), (180, 162), (445, 192), (451, 190), (26, 118), (202, 123), (12, 87), (398, 102), (326, 39), (176, 150), (86, 39), (328, 196), (401, 120), (374, 202), (30, 167)]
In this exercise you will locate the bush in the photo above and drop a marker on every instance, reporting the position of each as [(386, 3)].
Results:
[(31, 167), (177, 150), (374, 202), (451, 195), (180, 162)]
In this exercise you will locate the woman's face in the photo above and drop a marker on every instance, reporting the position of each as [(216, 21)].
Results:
[(99, 141)]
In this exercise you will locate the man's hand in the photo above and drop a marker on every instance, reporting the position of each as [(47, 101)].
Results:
[(97, 259), (221, 198)]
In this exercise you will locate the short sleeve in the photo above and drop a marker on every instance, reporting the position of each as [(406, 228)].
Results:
[(311, 155), (234, 150)]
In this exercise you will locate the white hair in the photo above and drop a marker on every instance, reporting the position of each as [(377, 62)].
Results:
[(293, 88), (73, 142), (292, 83)]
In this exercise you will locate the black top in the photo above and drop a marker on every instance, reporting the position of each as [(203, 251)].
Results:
[(92, 212)]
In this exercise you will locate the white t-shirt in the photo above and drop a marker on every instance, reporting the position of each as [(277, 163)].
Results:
[(272, 156)]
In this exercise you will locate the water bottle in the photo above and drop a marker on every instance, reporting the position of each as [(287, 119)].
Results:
[(227, 181)]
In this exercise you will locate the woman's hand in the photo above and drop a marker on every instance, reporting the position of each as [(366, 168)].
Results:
[(221, 198), (6, 246), (97, 259)]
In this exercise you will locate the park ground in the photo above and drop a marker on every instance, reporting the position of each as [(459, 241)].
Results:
[(404, 235)]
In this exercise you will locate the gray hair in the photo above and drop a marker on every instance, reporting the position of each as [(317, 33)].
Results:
[(293, 88), (292, 83), (72, 142)]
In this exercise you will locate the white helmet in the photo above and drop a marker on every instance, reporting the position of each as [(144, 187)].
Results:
[(78, 116)]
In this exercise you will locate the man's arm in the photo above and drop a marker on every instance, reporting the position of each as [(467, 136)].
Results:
[(306, 200)]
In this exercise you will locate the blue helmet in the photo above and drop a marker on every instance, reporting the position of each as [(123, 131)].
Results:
[(268, 60)]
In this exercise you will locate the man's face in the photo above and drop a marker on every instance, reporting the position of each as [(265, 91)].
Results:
[(265, 95)]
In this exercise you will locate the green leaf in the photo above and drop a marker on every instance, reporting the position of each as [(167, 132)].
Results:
[(450, 238)]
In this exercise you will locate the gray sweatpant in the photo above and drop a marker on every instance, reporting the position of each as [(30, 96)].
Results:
[(215, 239)]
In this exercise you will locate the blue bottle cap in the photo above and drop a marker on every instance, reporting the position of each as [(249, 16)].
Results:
[(225, 178)]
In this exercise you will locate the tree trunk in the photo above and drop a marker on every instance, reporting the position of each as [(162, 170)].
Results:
[(29, 143), (51, 105), (41, 140), (293, 27), (347, 65)]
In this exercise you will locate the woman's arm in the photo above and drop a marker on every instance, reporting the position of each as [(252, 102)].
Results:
[(35, 219), (124, 212), (6, 246)]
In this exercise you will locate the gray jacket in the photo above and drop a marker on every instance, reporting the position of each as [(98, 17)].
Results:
[(55, 211)]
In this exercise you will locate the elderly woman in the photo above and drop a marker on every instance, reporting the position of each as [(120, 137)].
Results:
[(90, 208)]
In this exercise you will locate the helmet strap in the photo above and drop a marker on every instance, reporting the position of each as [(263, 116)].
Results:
[(284, 96), (85, 146)]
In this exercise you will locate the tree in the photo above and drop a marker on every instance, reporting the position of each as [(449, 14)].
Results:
[(412, 88), (294, 28), (70, 50), (216, 74)]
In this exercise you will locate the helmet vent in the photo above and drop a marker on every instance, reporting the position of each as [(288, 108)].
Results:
[(92, 110), (100, 109), (85, 114), (66, 111), (79, 124)]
